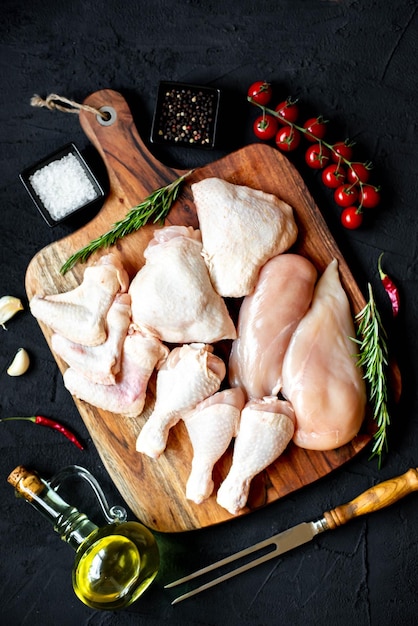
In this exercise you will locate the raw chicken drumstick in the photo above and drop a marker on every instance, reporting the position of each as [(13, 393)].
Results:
[(190, 374), (266, 427), (211, 427)]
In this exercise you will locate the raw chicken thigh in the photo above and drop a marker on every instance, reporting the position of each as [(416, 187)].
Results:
[(141, 354), (265, 429), (101, 363), (80, 314), (211, 427), (190, 374), (172, 294), (320, 375), (266, 322), (241, 229)]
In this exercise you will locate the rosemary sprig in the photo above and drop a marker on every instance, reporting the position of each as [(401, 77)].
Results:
[(154, 207), (373, 357)]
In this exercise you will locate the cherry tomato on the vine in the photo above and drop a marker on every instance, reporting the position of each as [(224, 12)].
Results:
[(287, 138), (333, 176), (288, 110), (317, 156), (369, 196), (316, 128), (341, 149), (260, 92), (358, 171), (351, 218), (345, 195), (265, 127)]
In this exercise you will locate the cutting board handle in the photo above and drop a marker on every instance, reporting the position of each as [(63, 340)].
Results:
[(129, 163), (382, 495)]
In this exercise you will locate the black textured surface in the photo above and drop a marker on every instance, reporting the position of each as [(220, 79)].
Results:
[(356, 63)]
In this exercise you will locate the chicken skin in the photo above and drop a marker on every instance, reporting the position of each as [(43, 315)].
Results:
[(141, 354), (190, 374), (172, 294), (241, 229), (266, 428), (101, 363), (211, 427), (80, 314)]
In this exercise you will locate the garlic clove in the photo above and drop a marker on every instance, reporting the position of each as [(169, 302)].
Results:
[(20, 363), (9, 305)]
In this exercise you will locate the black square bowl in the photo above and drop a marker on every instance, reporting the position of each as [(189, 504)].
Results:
[(61, 185), (185, 115)]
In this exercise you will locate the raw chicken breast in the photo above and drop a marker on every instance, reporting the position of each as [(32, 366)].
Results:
[(80, 314), (141, 354), (320, 375), (265, 430), (266, 322), (190, 374), (241, 229), (172, 294), (101, 363), (211, 427)]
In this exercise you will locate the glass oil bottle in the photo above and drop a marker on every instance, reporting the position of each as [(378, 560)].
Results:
[(115, 563)]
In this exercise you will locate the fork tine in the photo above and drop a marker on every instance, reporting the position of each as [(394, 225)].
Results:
[(225, 561), (222, 578)]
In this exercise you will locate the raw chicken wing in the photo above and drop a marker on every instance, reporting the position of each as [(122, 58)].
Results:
[(141, 354), (190, 374), (241, 229), (265, 430), (211, 427), (266, 322), (320, 375), (80, 314), (172, 294), (101, 363)]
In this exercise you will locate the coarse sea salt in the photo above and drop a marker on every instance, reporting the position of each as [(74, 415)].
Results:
[(63, 186)]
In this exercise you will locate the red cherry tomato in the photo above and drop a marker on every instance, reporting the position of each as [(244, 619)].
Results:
[(288, 110), (369, 196), (358, 171), (341, 149), (287, 139), (317, 156), (345, 195), (351, 218), (265, 127), (333, 176), (260, 92), (316, 128)]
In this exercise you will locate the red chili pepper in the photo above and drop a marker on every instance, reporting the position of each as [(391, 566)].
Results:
[(45, 421), (390, 288)]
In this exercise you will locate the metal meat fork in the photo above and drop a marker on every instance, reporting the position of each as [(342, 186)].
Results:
[(373, 499)]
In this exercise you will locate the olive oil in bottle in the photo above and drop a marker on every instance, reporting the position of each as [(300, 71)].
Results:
[(114, 564)]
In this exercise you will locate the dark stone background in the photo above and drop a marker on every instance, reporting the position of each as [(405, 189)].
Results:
[(355, 62)]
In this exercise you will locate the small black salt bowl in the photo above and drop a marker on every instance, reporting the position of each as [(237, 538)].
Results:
[(185, 115), (61, 185)]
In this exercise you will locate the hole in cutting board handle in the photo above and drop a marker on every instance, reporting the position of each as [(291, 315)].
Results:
[(110, 117)]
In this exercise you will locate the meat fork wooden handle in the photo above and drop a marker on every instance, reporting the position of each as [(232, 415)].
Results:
[(374, 499)]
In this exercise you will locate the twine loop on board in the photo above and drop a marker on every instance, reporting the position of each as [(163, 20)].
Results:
[(60, 103)]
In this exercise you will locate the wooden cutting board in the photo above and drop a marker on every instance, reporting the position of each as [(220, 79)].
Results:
[(154, 489)]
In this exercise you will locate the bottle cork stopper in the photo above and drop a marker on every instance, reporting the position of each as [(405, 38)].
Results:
[(26, 482)]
